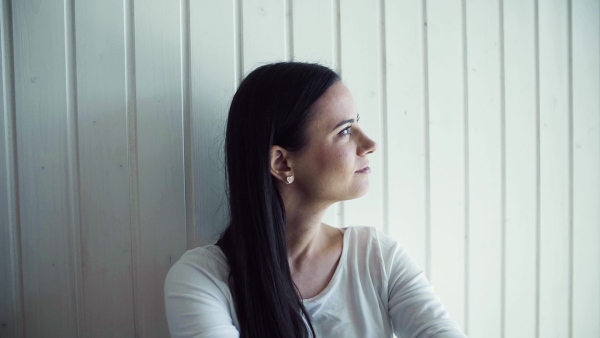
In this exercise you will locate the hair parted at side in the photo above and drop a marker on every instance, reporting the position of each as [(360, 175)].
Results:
[(270, 107)]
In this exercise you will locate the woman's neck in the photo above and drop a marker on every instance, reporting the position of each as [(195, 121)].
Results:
[(303, 231), (303, 227), (313, 247)]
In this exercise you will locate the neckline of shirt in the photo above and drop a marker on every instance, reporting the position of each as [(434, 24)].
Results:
[(338, 268)]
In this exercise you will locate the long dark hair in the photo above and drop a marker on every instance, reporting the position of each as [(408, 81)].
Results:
[(270, 107)]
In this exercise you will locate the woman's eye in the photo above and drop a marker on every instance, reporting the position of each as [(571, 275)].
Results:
[(347, 131)]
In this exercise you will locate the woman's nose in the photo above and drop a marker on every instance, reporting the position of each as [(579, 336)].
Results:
[(367, 145)]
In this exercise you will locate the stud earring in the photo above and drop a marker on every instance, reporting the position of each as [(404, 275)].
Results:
[(290, 179)]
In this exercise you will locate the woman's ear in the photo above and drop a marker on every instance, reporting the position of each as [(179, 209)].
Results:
[(280, 168)]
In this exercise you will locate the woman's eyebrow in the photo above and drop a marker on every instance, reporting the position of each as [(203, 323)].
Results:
[(342, 123)]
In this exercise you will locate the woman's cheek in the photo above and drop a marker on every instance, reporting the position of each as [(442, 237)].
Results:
[(343, 160), (333, 160)]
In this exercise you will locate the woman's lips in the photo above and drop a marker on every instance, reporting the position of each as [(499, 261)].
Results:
[(364, 170)]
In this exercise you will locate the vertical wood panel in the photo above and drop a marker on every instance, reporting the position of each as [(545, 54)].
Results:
[(361, 72), (314, 39), (406, 130), (11, 319), (554, 169), (447, 153), (104, 169), (159, 131), (186, 103), (484, 170), (145, 134), (132, 154), (9, 264), (75, 261), (42, 145), (314, 31), (40, 90), (586, 166), (521, 169), (213, 82), (264, 38)]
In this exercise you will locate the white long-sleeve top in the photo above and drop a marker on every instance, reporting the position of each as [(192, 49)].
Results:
[(377, 290)]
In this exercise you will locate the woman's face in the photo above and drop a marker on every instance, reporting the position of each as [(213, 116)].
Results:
[(333, 166)]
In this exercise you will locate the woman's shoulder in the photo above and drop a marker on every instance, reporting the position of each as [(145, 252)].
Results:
[(371, 246), (202, 265), (197, 296), (369, 236)]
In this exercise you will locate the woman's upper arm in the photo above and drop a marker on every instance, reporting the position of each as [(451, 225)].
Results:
[(196, 305), (414, 309)]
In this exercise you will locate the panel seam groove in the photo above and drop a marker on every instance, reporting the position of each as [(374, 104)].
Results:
[(14, 220), (466, 158), (570, 150), (131, 111), (337, 50), (384, 110), (537, 168), (186, 105), (502, 170), (74, 170), (289, 29), (239, 40), (425, 53)]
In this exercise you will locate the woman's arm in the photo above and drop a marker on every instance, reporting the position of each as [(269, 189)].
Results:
[(196, 305), (415, 310)]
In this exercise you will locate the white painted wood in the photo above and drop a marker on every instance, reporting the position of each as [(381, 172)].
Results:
[(406, 127), (447, 154), (520, 169), (485, 170), (361, 72), (74, 261), (213, 83), (11, 319), (586, 168), (314, 40), (186, 103), (8, 310), (264, 33), (44, 201), (314, 31), (554, 169), (157, 77), (104, 169), (161, 232)]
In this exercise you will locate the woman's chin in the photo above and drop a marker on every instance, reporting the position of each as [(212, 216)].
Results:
[(360, 191)]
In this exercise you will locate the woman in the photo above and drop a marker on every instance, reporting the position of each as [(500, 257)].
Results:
[(293, 148)]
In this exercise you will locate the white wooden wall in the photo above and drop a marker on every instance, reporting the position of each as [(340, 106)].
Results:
[(487, 114)]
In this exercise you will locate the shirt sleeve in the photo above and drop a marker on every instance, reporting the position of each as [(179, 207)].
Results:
[(415, 311), (196, 305)]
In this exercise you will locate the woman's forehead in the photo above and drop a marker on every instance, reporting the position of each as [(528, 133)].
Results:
[(335, 106)]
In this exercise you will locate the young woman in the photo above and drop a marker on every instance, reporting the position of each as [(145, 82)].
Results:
[(294, 147)]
